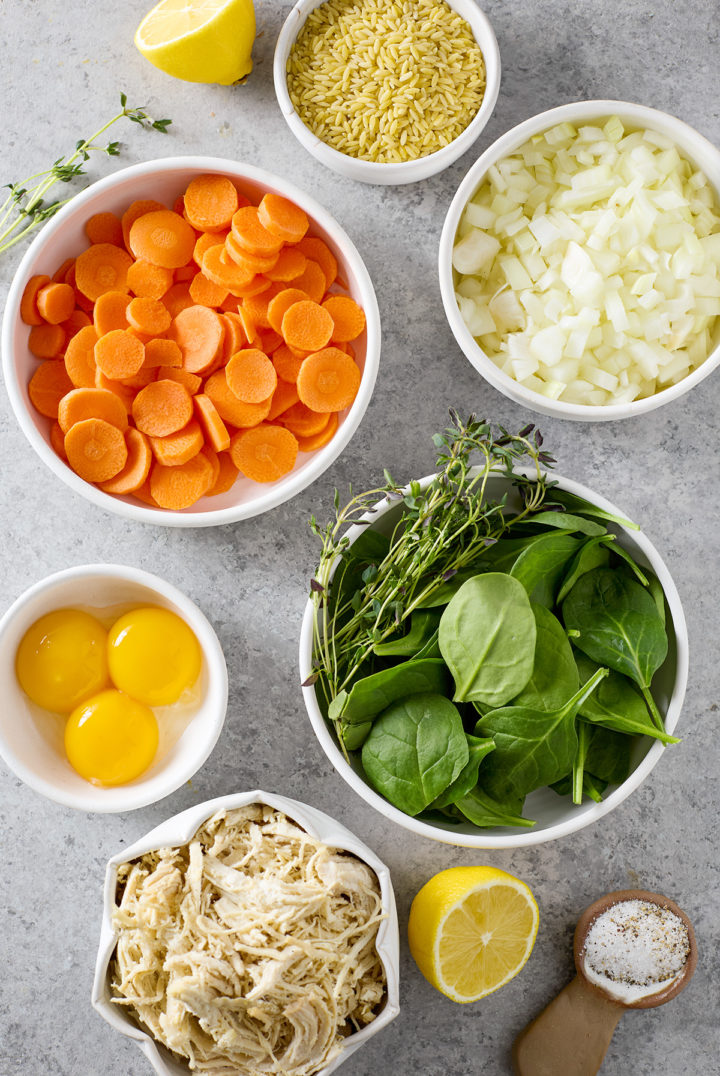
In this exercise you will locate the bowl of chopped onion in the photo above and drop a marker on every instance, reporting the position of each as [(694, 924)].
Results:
[(580, 261), (248, 933)]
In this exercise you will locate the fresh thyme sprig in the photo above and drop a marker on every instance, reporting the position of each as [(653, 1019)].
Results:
[(444, 526), (26, 207)]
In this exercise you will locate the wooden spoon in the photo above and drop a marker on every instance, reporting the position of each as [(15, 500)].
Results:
[(571, 1036)]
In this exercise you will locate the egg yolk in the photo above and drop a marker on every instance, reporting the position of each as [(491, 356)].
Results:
[(62, 659), (153, 655), (111, 739)]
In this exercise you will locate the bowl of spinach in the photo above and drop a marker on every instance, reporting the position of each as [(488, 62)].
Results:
[(492, 656)]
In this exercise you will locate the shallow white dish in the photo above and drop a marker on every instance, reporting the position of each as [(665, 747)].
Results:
[(31, 740), (63, 237), (178, 830), (406, 171), (555, 815), (690, 143)]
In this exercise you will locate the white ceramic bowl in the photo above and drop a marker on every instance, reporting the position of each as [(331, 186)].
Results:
[(177, 831), (555, 815), (63, 236), (31, 739), (407, 171), (692, 145)]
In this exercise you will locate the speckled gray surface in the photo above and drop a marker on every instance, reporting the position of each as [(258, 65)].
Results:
[(63, 66)]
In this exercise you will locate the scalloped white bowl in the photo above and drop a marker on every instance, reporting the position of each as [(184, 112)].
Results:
[(178, 830), (31, 740), (555, 815), (63, 237)]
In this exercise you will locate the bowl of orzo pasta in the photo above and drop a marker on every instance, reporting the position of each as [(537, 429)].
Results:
[(386, 91)]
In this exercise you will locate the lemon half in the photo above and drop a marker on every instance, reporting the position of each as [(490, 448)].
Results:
[(199, 40), (472, 929)]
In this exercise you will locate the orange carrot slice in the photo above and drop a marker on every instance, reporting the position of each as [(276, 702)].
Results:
[(162, 353), (284, 397), (319, 251), (319, 440), (55, 302), (306, 326), (199, 333), (257, 305), (265, 453), (178, 448), (102, 267), (210, 202), (230, 408), (78, 320), (180, 487), (136, 210), (270, 341), (48, 386), (46, 341), (235, 339), (61, 272), (348, 317), (137, 465), (162, 238), (162, 408), (205, 292), (227, 475), (104, 228), (28, 304), (328, 380), (110, 312), (96, 451), (251, 235), (212, 425), (230, 276), (125, 394), (177, 298), (57, 440), (290, 264), (83, 403), (80, 358), (256, 263), (312, 280), (302, 421), (282, 218), (204, 242), (148, 316), (281, 303), (119, 354), (149, 281), (287, 365), (251, 376), (191, 382)]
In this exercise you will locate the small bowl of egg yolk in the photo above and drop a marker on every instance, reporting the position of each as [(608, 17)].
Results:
[(114, 686)]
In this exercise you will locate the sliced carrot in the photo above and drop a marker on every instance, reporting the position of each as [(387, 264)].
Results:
[(306, 326), (83, 403), (270, 341), (251, 376), (185, 273), (283, 218), (142, 378), (61, 272), (180, 487), (192, 382), (285, 396), (281, 303), (148, 316), (162, 353), (230, 408), (143, 494), (80, 358), (179, 206), (205, 292), (235, 339), (348, 317), (125, 394), (162, 238), (57, 440), (136, 210), (55, 302), (265, 453), (137, 465), (149, 281), (227, 475), (249, 327), (286, 364), (199, 333), (162, 408), (319, 440), (212, 457), (204, 242), (230, 276), (312, 280), (257, 285), (319, 251), (78, 320), (48, 386), (102, 267), (104, 228), (28, 304), (119, 354), (110, 312), (290, 264), (178, 298), (212, 425), (229, 305), (257, 263), (46, 341), (178, 448), (210, 202), (82, 300), (96, 450), (328, 380), (302, 421), (257, 305), (251, 235)]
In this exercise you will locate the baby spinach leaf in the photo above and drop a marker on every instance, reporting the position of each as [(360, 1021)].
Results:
[(608, 755), (533, 747), (617, 704), (468, 776), (617, 624), (369, 696), (578, 771), (447, 590), (622, 554), (415, 749), (354, 736), (593, 787), (431, 649), (658, 594), (593, 554), (487, 812), (554, 678), (585, 508), (423, 625), (568, 522), (487, 637), (541, 566)]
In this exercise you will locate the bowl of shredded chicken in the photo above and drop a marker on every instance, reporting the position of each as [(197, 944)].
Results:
[(248, 935)]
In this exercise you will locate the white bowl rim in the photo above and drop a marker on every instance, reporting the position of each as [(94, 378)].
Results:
[(273, 496), (403, 171), (142, 795), (179, 829), (507, 143), (486, 839)]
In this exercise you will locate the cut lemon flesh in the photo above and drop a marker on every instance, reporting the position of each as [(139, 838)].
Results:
[(472, 929), (199, 40)]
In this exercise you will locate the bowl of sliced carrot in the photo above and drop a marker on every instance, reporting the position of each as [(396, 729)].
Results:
[(190, 342)]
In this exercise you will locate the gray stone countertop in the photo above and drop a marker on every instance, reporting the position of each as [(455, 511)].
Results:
[(63, 67)]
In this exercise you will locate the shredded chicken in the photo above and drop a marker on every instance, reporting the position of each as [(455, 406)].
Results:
[(250, 950)]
